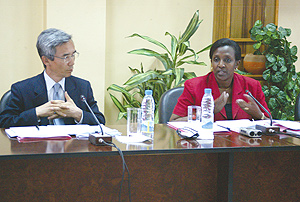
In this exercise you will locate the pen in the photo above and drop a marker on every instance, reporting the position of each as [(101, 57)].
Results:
[(37, 127), (225, 127)]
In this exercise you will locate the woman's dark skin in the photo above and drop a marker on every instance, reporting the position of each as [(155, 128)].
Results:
[(223, 63)]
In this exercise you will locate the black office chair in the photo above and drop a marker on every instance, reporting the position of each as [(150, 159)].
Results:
[(5, 98), (167, 103), (297, 108)]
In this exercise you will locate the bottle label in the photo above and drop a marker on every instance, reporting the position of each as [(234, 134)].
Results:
[(147, 128), (208, 125)]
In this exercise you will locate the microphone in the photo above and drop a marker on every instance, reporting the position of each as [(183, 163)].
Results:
[(96, 139), (265, 129), (249, 93), (106, 140)]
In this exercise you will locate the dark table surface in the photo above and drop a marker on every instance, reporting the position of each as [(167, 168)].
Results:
[(165, 141)]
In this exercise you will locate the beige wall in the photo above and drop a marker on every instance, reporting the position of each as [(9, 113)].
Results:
[(288, 17), (99, 29), (20, 22)]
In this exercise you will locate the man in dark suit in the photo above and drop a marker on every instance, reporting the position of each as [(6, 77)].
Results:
[(36, 101)]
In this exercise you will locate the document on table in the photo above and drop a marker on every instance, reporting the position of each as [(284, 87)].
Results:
[(293, 125), (197, 128), (57, 132), (133, 139), (235, 125), (181, 124)]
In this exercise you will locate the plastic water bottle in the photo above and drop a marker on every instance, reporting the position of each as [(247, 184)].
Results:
[(148, 107), (207, 105)]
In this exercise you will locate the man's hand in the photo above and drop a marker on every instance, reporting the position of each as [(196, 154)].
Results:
[(49, 109), (69, 109), (250, 107), (220, 102)]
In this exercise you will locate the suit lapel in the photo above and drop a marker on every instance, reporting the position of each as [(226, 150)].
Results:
[(40, 91), (40, 95), (237, 94), (216, 92), (70, 87)]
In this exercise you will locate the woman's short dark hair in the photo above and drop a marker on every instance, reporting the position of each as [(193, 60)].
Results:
[(226, 42)]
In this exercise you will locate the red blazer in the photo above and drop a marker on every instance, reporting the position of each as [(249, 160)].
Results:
[(194, 91)]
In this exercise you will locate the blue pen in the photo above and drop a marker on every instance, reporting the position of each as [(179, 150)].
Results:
[(224, 127)]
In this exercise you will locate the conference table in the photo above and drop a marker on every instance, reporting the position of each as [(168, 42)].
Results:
[(231, 167)]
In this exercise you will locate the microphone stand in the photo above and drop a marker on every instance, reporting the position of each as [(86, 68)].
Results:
[(264, 129), (106, 140), (97, 139)]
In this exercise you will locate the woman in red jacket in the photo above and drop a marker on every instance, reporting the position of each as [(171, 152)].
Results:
[(228, 88)]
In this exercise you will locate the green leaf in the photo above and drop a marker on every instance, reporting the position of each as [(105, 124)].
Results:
[(168, 72), (283, 69), (191, 28), (294, 50), (117, 103), (134, 70), (282, 31), (192, 62), (281, 97), (288, 32), (189, 75), (202, 50), (122, 115), (261, 32), (277, 77), (271, 58), (174, 44), (258, 24), (140, 78), (257, 45), (290, 85), (151, 41), (271, 27), (179, 74), (161, 57), (272, 103), (266, 74), (274, 90)]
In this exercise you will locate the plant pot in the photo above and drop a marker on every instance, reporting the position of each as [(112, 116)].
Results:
[(254, 64)]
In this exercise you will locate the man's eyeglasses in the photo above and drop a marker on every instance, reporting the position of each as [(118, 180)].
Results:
[(68, 58)]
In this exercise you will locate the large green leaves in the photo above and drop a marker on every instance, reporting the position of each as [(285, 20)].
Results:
[(159, 81), (282, 81)]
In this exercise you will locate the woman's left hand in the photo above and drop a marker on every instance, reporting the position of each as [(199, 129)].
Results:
[(250, 107)]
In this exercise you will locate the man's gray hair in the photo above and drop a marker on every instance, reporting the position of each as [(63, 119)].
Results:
[(49, 39)]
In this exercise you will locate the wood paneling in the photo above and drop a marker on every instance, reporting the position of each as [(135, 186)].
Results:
[(234, 18)]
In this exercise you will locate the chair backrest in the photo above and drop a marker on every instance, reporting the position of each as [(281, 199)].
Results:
[(297, 108), (167, 103), (5, 98)]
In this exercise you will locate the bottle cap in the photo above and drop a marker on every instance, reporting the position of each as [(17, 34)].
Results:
[(207, 90), (148, 92)]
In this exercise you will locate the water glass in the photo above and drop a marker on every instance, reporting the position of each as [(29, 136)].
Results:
[(134, 121), (194, 113)]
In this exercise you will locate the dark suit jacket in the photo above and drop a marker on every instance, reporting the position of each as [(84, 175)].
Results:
[(31, 93)]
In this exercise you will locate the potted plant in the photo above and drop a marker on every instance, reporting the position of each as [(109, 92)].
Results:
[(159, 81), (254, 64), (282, 80)]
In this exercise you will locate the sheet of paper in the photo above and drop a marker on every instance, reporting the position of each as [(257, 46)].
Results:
[(198, 126), (133, 139), (235, 125), (203, 133), (294, 125), (58, 131)]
